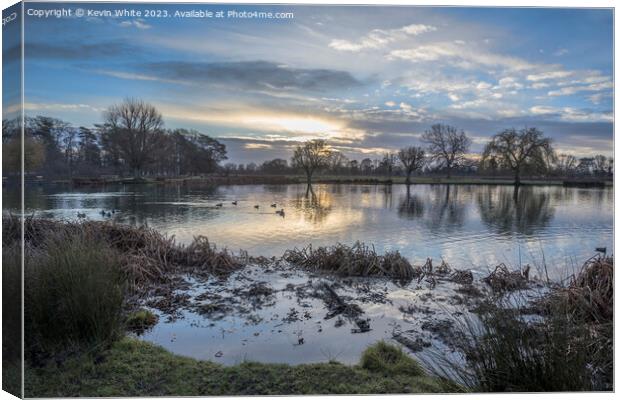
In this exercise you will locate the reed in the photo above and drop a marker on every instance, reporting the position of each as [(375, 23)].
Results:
[(356, 260)]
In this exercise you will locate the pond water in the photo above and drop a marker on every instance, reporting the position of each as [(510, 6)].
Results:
[(469, 226)]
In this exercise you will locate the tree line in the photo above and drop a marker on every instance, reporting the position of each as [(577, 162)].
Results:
[(132, 140), (524, 152)]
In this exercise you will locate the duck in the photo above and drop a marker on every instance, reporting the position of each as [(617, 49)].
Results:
[(280, 213), (81, 215), (273, 205), (108, 214), (256, 206), (234, 203), (102, 212), (219, 205)]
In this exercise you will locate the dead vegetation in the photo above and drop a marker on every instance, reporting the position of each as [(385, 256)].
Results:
[(357, 260), (502, 279), (147, 256)]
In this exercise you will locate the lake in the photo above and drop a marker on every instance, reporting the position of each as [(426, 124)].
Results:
[(469, 226)]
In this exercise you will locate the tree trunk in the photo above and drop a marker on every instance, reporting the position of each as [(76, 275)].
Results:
[(408, 179), (517, 178)]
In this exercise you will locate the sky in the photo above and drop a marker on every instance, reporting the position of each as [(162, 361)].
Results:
[(368, 79)]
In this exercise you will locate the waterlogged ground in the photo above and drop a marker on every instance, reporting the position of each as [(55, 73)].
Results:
[(273, 313)]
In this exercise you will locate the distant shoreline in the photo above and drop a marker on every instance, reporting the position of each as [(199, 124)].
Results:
[(326, 179)]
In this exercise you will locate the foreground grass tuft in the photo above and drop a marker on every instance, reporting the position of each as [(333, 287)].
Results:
[(136, 368), (389, 360)]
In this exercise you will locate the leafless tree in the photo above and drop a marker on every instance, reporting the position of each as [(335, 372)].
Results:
[(517, 150), (446, 145), (413, 159), (311, 156), (566, 164), (135, 129)]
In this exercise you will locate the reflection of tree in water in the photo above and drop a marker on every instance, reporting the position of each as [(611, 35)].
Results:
[(315, 205), (524, 211), (447, 210), (411, 206)]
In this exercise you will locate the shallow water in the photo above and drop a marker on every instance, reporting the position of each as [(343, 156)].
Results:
[(470, 226), (269, 328)]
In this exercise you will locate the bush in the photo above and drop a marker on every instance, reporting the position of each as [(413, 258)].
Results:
[(74, 293), (389, 360)]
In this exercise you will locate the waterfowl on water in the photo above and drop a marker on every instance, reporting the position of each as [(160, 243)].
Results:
[(81, 215), (256, 206), (102, 212), (234, 203), (108, 214), (219, 205), (273, 205), (280, 213)]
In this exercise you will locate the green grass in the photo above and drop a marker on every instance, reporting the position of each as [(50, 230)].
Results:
[(11, 319), (136, 368)]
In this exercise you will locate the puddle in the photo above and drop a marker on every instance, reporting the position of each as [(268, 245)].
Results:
[(274, 314)]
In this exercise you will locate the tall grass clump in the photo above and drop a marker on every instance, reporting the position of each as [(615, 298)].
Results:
[(74, 291), (560, 341), (356, 260), (11, 319)]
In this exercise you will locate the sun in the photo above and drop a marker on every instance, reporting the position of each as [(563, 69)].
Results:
[(295, 124)]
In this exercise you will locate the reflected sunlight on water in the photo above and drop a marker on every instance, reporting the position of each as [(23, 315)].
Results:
[(469, 226)]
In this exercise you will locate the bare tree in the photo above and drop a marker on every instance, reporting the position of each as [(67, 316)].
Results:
[(566, 164), (413, 158), (446, 145), (388, 162), (518, 150), (135, 129), (311, 156)]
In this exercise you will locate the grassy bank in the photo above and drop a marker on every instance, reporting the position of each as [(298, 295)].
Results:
[(333, 179), (135, 368)]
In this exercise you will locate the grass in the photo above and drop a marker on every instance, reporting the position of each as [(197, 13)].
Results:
[(568, 346), (11, 320), (135, 368), (141, 321), (74, 293), (356, 260)]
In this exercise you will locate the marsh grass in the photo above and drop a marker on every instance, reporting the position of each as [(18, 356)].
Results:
[(356, 260), (11, 319), (74, 292), (559, 341)]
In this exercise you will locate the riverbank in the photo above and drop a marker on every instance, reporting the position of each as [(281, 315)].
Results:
[(337, 292), (132, 367), (336, 179)]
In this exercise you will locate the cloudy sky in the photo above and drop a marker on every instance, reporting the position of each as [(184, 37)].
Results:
[(368, 79)]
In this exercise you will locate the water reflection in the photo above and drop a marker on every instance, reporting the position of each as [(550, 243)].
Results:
[(411, 206), (521, 211), (315, 206), (468, 225)]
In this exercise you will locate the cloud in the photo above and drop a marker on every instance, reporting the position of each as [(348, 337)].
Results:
[(560, 52), (570, 90), (256, 75), (459, 56), (137, 23), (572, 114), (549, 75), (379, 38), (79, 51)]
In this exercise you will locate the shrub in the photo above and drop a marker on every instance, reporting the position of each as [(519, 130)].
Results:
[(389, 360), (74, 293)]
